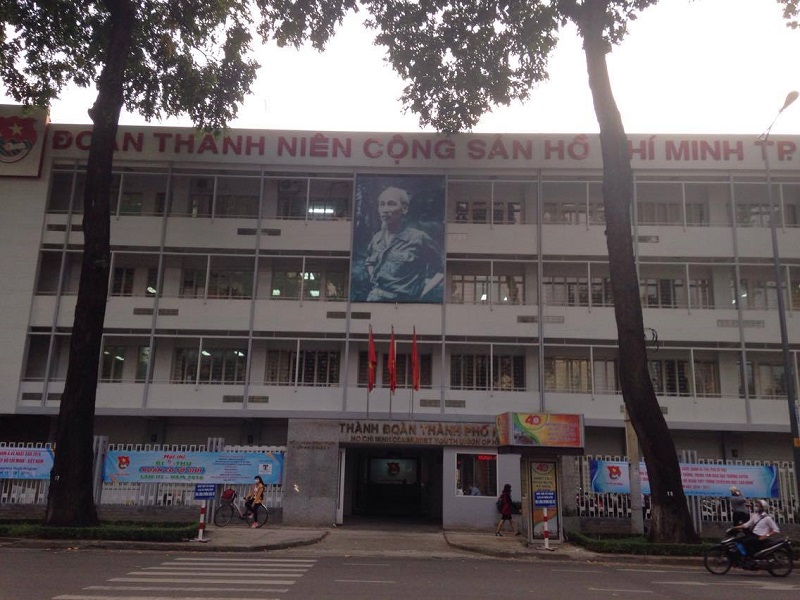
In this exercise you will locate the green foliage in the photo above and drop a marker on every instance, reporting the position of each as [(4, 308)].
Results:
[(461, 58), (291, 22), (138, 532), (791, 11), (638, 545), (187, 57)]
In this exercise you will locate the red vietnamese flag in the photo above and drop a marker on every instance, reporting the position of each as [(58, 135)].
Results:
[(373, 362), (392, 364), (414, 361)]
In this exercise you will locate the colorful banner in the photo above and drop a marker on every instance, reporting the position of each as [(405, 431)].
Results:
[(26, 463), (698, 479), (540, 429), (197, 467)]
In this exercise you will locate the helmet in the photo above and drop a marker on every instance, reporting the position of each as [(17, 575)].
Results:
[(734, 489), (762, 504)]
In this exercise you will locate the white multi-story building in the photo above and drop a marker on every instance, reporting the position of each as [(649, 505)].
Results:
[(235, 310)]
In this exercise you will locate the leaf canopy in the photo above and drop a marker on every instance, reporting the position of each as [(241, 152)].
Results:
[(187, 57)]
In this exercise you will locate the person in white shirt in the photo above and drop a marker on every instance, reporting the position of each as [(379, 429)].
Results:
[(761, 526)]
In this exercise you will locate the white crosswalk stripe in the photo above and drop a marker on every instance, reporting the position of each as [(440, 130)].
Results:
[(201, 578)]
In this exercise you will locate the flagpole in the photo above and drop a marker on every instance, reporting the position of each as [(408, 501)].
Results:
[(392, 373), (414, 369)]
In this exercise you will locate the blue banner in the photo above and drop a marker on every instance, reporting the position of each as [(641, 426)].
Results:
[(26, 463), (698, 479), (196, 467)]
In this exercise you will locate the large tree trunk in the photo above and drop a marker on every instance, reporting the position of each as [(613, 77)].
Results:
[(70, 499), (671, 521)]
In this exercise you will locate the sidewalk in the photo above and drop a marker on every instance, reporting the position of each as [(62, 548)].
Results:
[(347, 541)]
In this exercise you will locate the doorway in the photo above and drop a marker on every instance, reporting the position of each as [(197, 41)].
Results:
[(393, 484)]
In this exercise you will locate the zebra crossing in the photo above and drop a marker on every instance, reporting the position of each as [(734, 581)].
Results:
[(201, 578)]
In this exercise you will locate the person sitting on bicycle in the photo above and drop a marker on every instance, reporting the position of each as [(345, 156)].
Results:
[(254, 498), (761, 526)]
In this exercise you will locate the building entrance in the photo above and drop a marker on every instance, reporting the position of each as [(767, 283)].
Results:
[(393, 483)]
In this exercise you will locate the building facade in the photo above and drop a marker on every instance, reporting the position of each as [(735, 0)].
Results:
[(249, 271)]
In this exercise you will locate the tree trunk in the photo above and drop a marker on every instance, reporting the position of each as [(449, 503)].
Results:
[(671, 521), (70, 500)]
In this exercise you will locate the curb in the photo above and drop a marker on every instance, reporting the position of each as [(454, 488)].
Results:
[(187, 546)]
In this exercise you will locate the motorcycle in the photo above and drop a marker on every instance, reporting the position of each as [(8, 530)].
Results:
[(776, 558)]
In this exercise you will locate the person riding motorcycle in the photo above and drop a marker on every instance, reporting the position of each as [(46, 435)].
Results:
[(761, 526)]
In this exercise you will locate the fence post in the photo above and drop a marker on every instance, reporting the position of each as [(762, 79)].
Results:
[(100, 447)]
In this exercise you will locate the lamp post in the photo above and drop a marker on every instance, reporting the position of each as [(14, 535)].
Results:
[(788, 363)]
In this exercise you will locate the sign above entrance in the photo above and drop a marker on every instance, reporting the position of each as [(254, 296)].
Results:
[(540, 430), (418, 433)]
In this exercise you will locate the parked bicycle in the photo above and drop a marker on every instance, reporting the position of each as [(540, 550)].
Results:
[(228, 508)]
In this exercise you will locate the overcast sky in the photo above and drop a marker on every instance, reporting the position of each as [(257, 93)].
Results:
[(687, 66)]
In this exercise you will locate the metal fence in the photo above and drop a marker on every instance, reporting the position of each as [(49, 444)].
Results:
[(707, 509), (34, 491)]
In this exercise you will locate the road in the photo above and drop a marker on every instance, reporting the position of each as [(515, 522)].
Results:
[(34, 574)]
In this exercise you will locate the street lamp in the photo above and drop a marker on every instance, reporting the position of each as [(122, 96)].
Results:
[(788, 363)]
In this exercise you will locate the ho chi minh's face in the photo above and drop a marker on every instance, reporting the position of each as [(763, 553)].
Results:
[(391, 207)]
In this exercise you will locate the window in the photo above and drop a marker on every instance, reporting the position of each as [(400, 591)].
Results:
[(662, 293), (316, 285), (122, 281), (601, 292), (142, 363), (696, 214), (565, 291), (403, 367), (314, 199), (752, 215), (286, 285), (230, 284), (508, 373), (222, 365), (659, 213), (564, 213), (469, 289), (758, 294), (184, 366), (670, 377), (764, 380), (316, 367), (152, 282), (236, 205), (567, 375), (193, 284), (280, 366), (113, 363), (217, 365), (701, 293), (323, 286), (319, 368), (469, 372), (476, 475), (606, 376), (510, 289), (706, 379)]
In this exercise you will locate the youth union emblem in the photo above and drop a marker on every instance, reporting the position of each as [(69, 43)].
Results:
[(17, 137)]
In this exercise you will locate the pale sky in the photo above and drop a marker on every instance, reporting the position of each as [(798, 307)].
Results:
[(687, 66)]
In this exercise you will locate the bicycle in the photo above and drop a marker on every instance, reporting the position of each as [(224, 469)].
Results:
[(227, 508)]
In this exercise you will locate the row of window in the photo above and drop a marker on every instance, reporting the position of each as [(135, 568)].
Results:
[(670, 377), (185, 194), (331, 281)]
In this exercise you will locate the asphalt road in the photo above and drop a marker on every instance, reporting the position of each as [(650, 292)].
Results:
[(34, 574)]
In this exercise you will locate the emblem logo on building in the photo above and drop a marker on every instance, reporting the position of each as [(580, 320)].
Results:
[(17, 138)]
